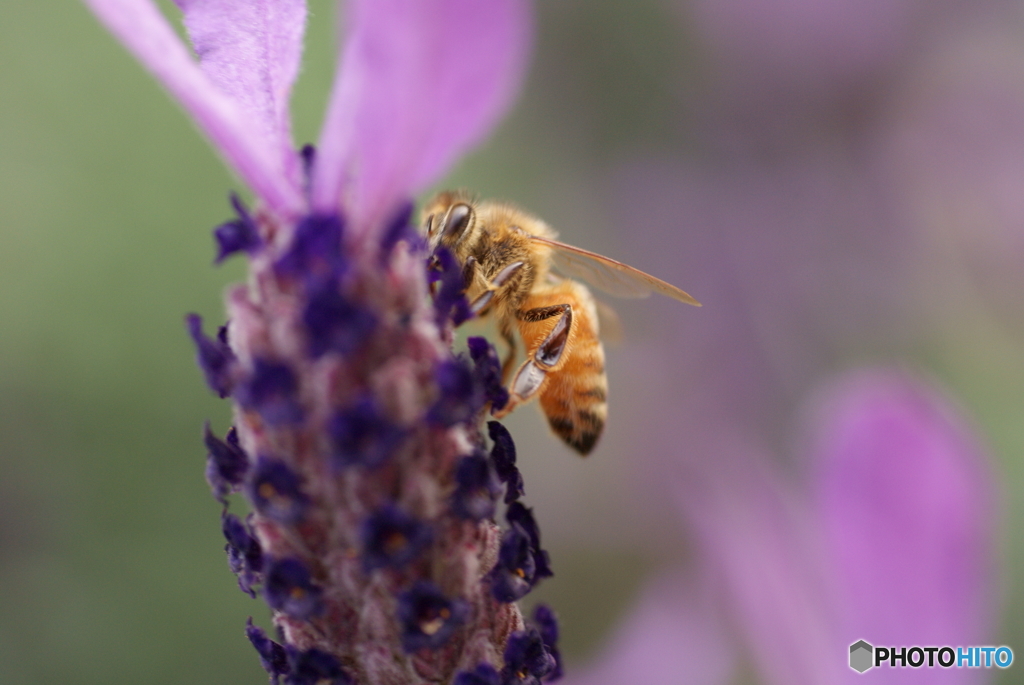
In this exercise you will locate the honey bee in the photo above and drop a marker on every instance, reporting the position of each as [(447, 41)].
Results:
[(506, 257)]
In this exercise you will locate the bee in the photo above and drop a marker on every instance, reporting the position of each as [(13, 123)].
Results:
[(507, 257)]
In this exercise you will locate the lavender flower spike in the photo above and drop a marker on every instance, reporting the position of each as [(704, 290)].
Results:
[(372, 548)]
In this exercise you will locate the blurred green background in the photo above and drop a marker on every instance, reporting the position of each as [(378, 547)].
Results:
[(111, 562)]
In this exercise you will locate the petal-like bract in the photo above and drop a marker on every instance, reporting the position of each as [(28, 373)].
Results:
[(147, 34), (748, 525), (906, 499), (250, 50), (419, 82)]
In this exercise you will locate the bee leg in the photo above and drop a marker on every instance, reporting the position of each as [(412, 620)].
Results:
[(469, 271), (505, 329), (530, 377), (480, 304)]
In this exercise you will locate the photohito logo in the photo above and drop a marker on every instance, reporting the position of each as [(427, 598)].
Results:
[(864, 656)]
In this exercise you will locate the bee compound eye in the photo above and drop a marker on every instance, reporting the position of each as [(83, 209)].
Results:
[(457, 221)]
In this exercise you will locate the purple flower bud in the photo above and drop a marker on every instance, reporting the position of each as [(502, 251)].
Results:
[(334, 323), (487, 370), (289, 589), (238, 235), (392, 538), (503, 453), (526, 659), (245, 557), (401, 228), (483, 674), (459, 396), (476, 488), (513, 576), (226, 462), (449, 300), (276, 492), (428, 618), (308, 155), (270, 390), (362, 435), (314, 667), (273, 656), (518, 513), (214, 357), (315, 251), (557, 671), (547, 624)]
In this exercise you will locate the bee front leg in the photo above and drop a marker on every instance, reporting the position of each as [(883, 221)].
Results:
[(470, 270), (531, 375), (480, 304)]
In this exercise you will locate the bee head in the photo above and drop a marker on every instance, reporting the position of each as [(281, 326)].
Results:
[(448, 226)]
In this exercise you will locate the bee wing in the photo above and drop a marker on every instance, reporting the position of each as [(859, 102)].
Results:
[(609, 322), (609, 275)]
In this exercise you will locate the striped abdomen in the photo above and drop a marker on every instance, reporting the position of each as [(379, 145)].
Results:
[(575, 390)]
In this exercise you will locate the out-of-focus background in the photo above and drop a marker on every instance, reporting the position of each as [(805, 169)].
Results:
[(841, 182)]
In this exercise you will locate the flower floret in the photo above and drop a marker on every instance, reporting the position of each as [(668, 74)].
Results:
[(245, 556), (393, 538), (290, 589), (275, 489), (241, 234), (459, 395), (527, 660), (476, 488), (428, 617), (487, 369), (362, 435), (214, 357), (226, 462), (314, 667), (503, 454), (316, 249), (514, 574), (547, 625), (271, 390), (519, 514), (450, 286), (273, 656), (333, 322)]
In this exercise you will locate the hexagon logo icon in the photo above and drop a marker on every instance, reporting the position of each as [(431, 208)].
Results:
[(860, 656)]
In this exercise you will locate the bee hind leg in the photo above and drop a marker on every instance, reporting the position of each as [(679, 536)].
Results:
[(529, 379)]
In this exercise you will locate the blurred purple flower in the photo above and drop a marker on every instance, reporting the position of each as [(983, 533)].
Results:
[(349, 417), (890, 539), (908, 507)]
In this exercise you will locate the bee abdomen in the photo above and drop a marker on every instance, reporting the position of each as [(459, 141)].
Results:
[(597, 394), (580, 433), (576, 399)]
